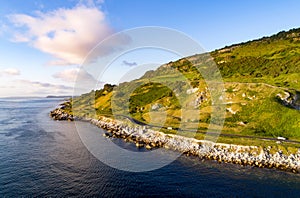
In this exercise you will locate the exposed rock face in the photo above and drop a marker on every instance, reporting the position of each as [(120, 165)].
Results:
[(226, 153), (201, 97), (290, 100), (155, 107), (193, 90)]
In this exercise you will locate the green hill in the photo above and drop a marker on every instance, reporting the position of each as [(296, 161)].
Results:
[(261, 81)]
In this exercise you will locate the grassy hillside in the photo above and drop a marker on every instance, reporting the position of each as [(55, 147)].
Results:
[(261, 81), (274, 60)]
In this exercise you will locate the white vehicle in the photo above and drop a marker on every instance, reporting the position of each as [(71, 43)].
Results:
[(281, 138)]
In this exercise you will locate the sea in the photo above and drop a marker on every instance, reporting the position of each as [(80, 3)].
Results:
[(40, 157)]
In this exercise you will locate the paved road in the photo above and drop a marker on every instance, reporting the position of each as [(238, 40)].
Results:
[(209, 133), (222, 134)]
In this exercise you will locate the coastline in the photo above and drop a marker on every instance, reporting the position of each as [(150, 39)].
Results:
[(223, 153)]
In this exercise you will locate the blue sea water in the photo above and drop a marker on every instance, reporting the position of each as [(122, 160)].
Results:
[(42, 157)]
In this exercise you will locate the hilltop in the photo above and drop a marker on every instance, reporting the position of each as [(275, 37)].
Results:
[(261, 85)]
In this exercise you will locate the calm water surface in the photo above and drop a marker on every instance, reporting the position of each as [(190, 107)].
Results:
[(42, 157)]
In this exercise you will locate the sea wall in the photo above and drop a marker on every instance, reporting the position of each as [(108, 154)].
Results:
[(60, 114), (223, 153)]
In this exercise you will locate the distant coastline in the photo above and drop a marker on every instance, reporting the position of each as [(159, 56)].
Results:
[(53, 96), (33, 97)]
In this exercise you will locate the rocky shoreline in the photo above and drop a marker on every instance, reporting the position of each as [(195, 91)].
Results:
[(223, 153)]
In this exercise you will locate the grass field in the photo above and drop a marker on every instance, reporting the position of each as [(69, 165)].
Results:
[(177, 95)]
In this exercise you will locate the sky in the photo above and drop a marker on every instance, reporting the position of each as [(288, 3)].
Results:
[(43, 44)]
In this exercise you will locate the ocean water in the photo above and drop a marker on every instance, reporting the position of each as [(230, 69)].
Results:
[(42, 157)]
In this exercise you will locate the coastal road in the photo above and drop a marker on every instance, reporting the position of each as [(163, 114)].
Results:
[(209, 133)]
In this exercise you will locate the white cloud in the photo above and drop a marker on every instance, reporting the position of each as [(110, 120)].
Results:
[(44, 85), (70, 75), (36, 87), (10, 72), (67, 34), (81, 79), (20, 38), (32, 88)]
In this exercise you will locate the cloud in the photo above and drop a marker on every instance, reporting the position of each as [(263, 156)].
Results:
[(41, 85), (83, 81), (10, 72), (130, 64), (32, 88), (70, 75), (67, 75), (91, 3), (67, 34), (20, 38), (3, 28)]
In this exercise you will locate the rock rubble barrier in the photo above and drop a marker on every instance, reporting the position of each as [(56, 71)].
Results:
[(143, 136)]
